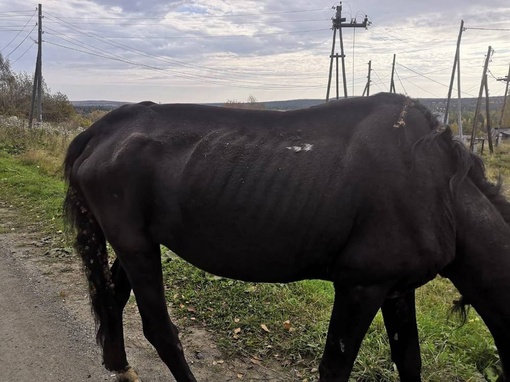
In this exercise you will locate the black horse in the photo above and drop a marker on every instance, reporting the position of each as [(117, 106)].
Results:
[(370, 193)]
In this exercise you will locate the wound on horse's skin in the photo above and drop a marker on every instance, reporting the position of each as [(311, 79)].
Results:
[(401, 118)]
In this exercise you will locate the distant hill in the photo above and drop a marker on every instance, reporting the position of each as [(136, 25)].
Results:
[(100, 104), (437, 105)]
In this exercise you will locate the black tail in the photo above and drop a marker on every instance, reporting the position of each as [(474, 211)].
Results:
[(90, 242), (461, 309)]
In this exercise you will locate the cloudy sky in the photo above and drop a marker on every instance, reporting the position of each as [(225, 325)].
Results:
[(219, 50)]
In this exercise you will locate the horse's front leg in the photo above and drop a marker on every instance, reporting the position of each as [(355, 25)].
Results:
[(353, 311), (400, 320)]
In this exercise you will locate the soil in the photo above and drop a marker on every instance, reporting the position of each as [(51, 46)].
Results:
[(46, 326)]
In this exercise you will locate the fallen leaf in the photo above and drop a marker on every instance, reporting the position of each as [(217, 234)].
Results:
[(240, 376), (236, 320), (191, 309), (264, 328), (255, 361), (237, 330), (287, 325)]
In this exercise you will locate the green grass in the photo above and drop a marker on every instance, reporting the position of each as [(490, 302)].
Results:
[(37, 196), (282, 323)]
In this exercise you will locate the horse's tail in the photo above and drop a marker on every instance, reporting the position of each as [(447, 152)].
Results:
[(90, 241), (460, 308)]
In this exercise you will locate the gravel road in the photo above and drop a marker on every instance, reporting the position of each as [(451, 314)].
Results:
[(39, 340)]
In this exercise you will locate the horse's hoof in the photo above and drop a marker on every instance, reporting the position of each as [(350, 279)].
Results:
[(128, 375)]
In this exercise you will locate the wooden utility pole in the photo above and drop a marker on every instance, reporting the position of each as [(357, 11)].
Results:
[(480, 93), (338, 24), (367, 86), (507, 79), (488, 117), (456, 62), (37, 88), (392, 82)]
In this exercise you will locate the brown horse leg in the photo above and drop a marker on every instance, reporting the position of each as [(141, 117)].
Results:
[(143, 268), (400, 320), (353, 311)]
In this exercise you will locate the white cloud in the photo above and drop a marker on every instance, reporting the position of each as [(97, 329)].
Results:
[(198, 51)]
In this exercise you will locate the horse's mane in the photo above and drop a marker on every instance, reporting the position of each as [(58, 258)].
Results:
[(466, 165)]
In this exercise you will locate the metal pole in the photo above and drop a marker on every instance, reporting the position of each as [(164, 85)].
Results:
[(331, 63), (459, 104), (480, 93), (39, 62), (455, 63), (36, 89), (337, 87), (392, 83), (488, 117), (344, 78), (504, 99), (367, 86)]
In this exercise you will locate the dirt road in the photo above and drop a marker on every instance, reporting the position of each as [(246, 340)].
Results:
[(39, 340), (47, 331)]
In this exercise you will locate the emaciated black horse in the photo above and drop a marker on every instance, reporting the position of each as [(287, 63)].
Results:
[(369, 193)]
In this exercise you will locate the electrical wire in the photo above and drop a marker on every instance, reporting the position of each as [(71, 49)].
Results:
[(25, 52), (22, 41), (208, 16), (128, 48), (215, 81), (401, 84), (23, 28), (489, 29), (377, 74)]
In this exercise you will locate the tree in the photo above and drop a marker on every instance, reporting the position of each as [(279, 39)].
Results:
[(251, 103), (16, 96)]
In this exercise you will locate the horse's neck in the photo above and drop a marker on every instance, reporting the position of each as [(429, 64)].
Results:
[(481, 268), (483, 238)]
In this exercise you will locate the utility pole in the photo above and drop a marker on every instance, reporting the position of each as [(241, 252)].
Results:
[(488, 117), (338, 24), (367, 86), (392, 82), (480, 93), (37, 88), (456, 62), (507, 80)]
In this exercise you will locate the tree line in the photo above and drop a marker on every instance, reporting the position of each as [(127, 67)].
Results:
[(16, 96)]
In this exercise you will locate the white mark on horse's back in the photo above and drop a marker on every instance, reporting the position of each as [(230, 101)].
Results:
[(303, 147)]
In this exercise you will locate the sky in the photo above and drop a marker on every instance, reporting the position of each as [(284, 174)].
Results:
[(224, 50)]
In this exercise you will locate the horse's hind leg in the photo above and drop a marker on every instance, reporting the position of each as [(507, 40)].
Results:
[(400, 320), (353, 311), (142, 263), (114, 353)]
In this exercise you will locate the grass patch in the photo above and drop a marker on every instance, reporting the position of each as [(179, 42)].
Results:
[(31, 191), (236, 312)]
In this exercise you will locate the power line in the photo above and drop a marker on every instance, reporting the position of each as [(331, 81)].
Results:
[(23, 28), (215, 81), (159, 58), (22, 41), (193, 16), (212, 37), (22, 54), (165, 25), (489, 29)]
